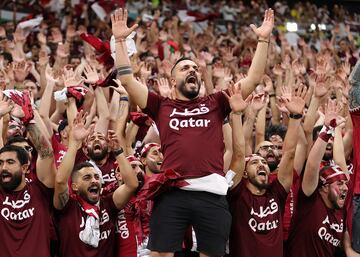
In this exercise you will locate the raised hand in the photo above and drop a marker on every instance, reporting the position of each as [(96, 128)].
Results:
[(332, 111), (71, 79), (164, 87), (43, 58), (6, 105), (236, 101), (258, 101), (91, 74), (321, 86), (297, 102), (120, 29), (266, 28), (120, 89), (19, 36), (21, 70), (50, 76), (114, 143), (78, 132)]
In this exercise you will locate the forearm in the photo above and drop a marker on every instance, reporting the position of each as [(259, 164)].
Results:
[(46, 98), (338, 150), (248, 130), (114, 109), (39, 138), (260, 126), (256, 70), (354, 96), (103, 111), (310, 118), (238, 144), (122, 116), (127, 175)]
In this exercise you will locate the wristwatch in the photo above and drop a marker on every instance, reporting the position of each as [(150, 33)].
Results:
[(118, 151), (295, 116)]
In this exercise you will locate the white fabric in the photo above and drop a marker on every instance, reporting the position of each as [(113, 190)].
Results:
[(60, 96), (30, 24), (91, 233), (213, 183), (99, 11), (130, 45), (142, 251)]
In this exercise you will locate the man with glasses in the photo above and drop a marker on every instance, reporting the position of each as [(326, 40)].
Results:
[(270, 153)]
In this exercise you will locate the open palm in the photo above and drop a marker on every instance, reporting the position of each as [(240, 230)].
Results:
[(297, 103), (267, 26), (236, 101), (120, 29), (78, 130)]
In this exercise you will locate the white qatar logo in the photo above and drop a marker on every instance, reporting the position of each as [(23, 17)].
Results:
[(325, 235), (176, 124), (263, 213)]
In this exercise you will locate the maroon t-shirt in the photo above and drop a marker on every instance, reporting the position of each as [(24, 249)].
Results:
[(25, 221), (315, 229), (71, 220), (190, 133), (257, 228), (107, 169)]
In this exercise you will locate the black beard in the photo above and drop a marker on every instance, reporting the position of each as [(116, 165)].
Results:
[(188, 94), (13, 183), (97, 156), (272, 166), (327, 157), (257, 184)]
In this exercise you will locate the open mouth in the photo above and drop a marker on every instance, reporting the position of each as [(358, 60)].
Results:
[(94, 190), (6, 177), (159, 163), (343, 196), (97, 147), (191, 79), (329, 147), (262, 173)]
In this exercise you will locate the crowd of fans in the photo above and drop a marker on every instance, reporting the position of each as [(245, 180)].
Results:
[(186, 128)]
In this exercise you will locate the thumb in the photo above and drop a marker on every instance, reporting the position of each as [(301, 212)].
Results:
[(253, 27), (133, 27)]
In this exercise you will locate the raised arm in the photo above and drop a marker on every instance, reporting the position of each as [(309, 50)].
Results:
[(311, 174), (136, 90), (77, 134), (238, 105), (258, 64), (295, 106), (45, 166), (130, 183)]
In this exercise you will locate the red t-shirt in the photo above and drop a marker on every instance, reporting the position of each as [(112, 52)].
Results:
[(257, 228), (190, 133), (71, 220), (25, 221), (315, 229)]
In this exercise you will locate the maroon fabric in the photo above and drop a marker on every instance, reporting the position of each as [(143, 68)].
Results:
[(126, 244), (258, 229), (190, 130), (25, 220), (25, 103), (59, 150), (140, 119), (315, 229), (290, 204), (71, 220), (102, 48), (78, 92), (355, 117)]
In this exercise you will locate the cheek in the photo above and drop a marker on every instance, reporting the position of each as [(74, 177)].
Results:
[(335, 191)]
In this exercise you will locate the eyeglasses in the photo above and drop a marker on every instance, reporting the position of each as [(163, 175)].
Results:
[(137, 165), (267, 147), (28, 148)]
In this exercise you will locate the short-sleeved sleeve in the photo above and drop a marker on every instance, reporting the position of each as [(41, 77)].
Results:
[(223, 102), (153, 105)]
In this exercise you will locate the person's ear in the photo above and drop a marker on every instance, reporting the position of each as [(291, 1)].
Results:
[(245, 174), (173, 82), (25, 168), (74, 187)]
